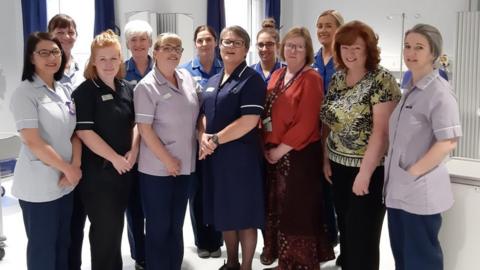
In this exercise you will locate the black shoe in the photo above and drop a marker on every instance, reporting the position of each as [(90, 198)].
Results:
[(139, 265), (226, 267), (339, 261)]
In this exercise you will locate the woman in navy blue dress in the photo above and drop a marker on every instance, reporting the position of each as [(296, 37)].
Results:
[(230, 144)]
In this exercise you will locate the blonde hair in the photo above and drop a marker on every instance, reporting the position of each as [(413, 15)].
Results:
[(103, 40), (164, 38), (335, 14)]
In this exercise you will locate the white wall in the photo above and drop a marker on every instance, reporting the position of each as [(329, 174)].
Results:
[(440, 13), (11, 58)]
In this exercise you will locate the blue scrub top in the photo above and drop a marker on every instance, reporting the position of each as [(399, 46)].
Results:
[(258, 68), (326, 71), (408, 76), (198, 72), (133, 75)]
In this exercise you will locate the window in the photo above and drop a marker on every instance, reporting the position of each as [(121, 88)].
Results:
[(235, 15)]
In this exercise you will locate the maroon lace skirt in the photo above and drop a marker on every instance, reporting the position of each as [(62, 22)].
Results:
[(295, 232)]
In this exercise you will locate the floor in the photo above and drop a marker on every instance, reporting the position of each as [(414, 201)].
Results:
[(16, 242)]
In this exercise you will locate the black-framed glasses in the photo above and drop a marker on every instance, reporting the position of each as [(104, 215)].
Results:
[(170, 49), (46, 53), (232, 43), (267, 45)]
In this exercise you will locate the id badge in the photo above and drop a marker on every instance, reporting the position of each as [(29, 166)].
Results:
[(267, 124)]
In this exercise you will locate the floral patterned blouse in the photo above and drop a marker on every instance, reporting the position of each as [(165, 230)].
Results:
[(348, 111)]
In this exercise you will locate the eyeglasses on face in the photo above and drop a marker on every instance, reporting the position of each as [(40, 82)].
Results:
[(170, 49), (232, 43), (46, 53), (267, 45), (294, 47)]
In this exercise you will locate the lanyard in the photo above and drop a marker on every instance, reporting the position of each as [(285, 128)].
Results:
[(279, 89)]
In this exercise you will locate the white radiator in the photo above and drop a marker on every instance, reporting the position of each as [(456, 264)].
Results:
[(466, 81)]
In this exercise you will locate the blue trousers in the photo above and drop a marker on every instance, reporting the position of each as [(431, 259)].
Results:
[(136, 221), (47, 225), (164, 201), (414, 240)]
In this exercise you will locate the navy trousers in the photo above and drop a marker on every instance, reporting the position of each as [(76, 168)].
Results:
[(206, 237), (164, 201), (414, 240), (47, 225), (136, 221)]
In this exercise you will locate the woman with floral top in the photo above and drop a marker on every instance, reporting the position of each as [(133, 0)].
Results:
[(355, 112)]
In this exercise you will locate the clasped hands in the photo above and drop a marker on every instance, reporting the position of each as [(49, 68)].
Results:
[(206, 146)]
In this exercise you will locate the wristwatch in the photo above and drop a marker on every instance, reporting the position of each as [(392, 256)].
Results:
[(214, 139)]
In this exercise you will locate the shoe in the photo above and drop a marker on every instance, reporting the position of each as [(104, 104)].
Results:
[(265, 259), (216, 254), (339, 260), (226, 267), (139, 265), (203, 253)]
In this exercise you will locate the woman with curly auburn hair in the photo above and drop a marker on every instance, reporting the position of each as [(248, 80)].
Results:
[(355, 113), (105, 124)]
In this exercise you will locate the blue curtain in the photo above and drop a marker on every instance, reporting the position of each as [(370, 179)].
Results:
[(272, 9), (34, 15), (216, 14), (105, 16)]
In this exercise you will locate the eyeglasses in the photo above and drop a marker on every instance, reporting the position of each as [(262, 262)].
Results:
[(295, 47), (232, 43), (267, 45), (170, 49), (46, 53)]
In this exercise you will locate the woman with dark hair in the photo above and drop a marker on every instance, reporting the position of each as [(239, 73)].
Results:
[(229, 142), (64, 28), (268, 40), (355, 113), (424, 129), (48, 167), (105, 124), (203, 67)]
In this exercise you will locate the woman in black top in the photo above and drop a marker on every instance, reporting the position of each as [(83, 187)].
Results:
[(105, 124)]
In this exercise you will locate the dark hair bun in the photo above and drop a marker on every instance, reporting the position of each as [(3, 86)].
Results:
[(269, 23)]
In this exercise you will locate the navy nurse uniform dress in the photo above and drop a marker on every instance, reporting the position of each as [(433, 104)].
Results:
[(233, 174)]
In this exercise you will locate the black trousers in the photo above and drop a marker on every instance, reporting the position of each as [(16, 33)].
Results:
[(359, 218), (105, 198)]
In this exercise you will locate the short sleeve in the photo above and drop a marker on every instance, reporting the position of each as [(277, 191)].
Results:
[(85, 100), (385, 88), (252, 97), (445, 116), (24, 107), (144, 104)]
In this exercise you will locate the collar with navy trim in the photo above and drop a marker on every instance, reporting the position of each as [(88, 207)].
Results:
[(160, 79), (130, 63), (196, 63)]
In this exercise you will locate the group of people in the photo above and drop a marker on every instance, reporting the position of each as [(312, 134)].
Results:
[(298, 145)]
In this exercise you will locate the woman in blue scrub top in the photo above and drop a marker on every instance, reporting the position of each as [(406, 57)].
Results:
[(48, 167), (230, 144), (327, 24), (268, 40), (205, 64)]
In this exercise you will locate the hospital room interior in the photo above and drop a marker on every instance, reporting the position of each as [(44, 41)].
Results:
[(242, 35)]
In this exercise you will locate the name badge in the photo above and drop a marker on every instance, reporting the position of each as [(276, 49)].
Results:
[(210, 89), (107, 97), (267, 124), (167, 96)]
